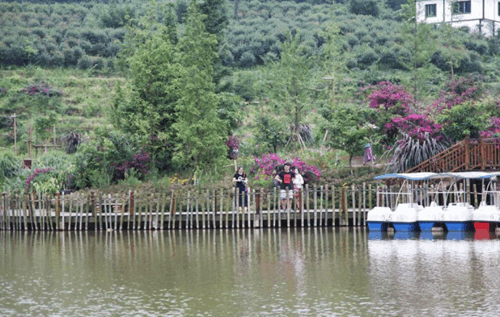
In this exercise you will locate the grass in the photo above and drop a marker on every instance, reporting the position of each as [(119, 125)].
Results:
[(82, 107)]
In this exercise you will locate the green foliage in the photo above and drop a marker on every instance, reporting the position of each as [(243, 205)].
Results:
[(409, 152), (149, 110), (200, 131), (458, 122), (289, 80), (347, 128), (9, 166), (272, 133), (365, 7)]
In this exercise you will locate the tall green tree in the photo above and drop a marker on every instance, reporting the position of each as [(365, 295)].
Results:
[(452, 47), (335, 56), (289, 86), (148, 110), (421, 41), (349, 129), (216, 22), (201, 133)]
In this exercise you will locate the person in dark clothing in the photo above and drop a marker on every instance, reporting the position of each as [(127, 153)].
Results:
[(240, 180), (285, 178)]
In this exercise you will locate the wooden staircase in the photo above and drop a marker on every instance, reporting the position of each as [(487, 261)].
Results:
[(467, 155)]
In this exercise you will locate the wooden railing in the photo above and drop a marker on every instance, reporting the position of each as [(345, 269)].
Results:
[(466, 155)]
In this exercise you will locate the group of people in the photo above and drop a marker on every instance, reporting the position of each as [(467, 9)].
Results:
[(289, 179)]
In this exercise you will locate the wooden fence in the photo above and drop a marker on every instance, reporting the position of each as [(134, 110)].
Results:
[(318, 205)]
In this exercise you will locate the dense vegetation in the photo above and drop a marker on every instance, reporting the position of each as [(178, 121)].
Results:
[(139, 90)]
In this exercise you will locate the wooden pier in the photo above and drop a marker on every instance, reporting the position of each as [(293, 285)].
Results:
[(314, 206)]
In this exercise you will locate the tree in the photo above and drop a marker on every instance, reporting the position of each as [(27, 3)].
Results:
[(149, 110), (422, 41), (200, 132), (458, 122), (349, 129), (216, 22), (289, 86), (335, 54), (453, 49), (365, 7)]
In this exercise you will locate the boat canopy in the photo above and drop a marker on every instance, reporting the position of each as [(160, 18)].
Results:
[(426, 175)]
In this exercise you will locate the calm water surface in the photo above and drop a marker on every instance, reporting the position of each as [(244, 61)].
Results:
[(266, 272)]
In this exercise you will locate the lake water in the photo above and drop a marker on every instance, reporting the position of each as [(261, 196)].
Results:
[(262, 272)]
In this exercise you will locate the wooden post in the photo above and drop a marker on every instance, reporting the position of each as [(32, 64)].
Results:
[(483, 153), (58, 209), (274, 208), (248, 198), (214, 207), (320, 206), (343, 208), (467, 153), (257, 215), (307, 206), (315, 197), (353, 194), (25, 213), (288, 207), (364, 201), (257, 201)]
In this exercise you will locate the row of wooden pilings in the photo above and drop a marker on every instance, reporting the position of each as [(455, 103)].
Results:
[(313, 206)]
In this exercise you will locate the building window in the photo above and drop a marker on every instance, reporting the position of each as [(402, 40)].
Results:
[(430, 10), (499, 8), (461, 7)]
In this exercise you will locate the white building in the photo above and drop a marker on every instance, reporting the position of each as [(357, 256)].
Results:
[(478, 15)]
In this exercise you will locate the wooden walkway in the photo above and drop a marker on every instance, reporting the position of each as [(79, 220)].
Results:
[(321, 206), (467, 155)]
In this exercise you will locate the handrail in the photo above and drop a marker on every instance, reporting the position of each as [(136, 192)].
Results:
[(468, 154)]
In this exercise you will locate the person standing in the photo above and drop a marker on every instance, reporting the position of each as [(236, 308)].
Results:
[(285, 178), (368, 155), (240, 180), (298, 182)]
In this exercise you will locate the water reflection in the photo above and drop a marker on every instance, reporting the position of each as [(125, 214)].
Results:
[(276, 272), (452, 276), (300, 271)]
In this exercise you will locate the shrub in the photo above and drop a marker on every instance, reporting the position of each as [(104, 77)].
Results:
[(269, 164), (389, 97)]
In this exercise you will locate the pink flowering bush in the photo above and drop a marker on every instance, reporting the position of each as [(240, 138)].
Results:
[(37, 172), (416, 126), (390, 97), (455, 93), (140, 162), (270, 163), (493, 130)]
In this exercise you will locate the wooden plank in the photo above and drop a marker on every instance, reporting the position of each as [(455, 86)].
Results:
[(288, 207), (321, 210), (249, 204), (228, 208), (307, 209), (203, 206), (214, 208), (25, 213), (353, 195), (163, 206), (315, 197)]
